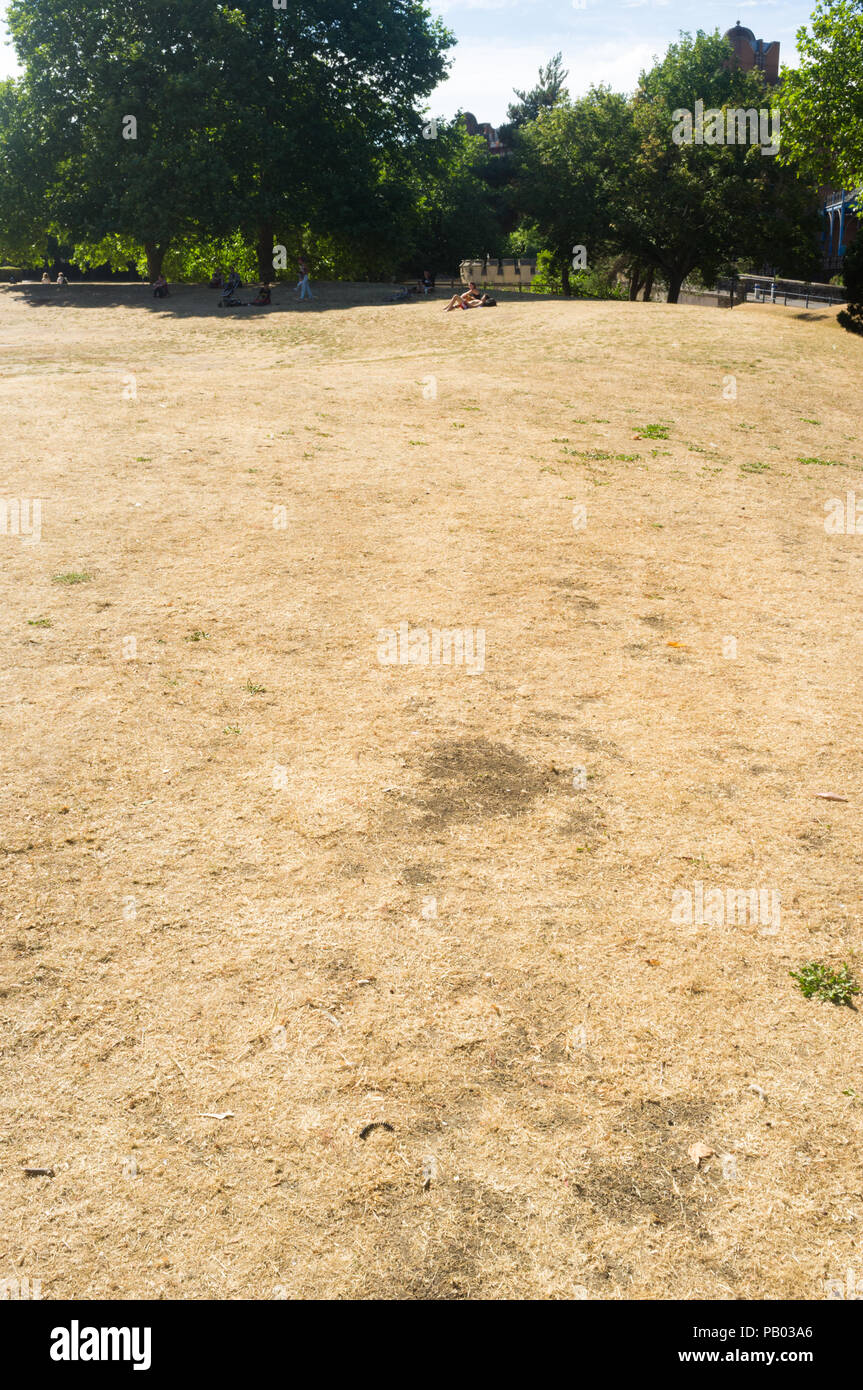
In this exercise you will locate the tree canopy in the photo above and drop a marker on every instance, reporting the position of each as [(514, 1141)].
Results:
[(822, 128), (191, 132), (171, 116)]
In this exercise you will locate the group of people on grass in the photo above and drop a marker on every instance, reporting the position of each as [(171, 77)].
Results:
[(46, 279), (424, 285), (468, 299), (230, 284)]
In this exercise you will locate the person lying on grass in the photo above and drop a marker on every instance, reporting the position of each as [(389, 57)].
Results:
[(469, 300)]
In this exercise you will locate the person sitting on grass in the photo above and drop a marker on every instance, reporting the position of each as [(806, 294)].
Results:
[(264, 298), (160, 287), (217, 280), (46, 278), (470, 299), (426, 283), (61, 279)]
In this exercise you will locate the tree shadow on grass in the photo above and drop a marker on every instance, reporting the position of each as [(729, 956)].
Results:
[(197, 301)]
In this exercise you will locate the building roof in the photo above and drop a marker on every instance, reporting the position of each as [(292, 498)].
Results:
[(740, 32)]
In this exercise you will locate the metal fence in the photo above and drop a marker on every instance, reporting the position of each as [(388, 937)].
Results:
[(766, 289)]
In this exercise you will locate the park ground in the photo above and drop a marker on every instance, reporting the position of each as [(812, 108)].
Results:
[(262, 891)]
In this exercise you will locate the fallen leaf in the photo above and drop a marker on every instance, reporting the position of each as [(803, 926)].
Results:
[(700, 1151), (677, 644), (830, 796), (217, 1115)]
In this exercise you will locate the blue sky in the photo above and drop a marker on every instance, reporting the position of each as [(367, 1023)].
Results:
[(501, 43)]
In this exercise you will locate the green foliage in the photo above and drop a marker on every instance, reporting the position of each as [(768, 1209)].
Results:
[(195, 258), (432, 205), (248, 118), (819, 981), (258, 127), (605, 172), (822, 108), (594, 282), (24, 216), (708, 207), (569, 163), (86, 70), (546, 94), (120, 252)]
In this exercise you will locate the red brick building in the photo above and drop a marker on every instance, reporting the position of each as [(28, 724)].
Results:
[(751, 54)]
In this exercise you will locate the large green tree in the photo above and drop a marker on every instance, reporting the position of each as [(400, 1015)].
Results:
[(132, 100), (569, 163), (686, 206), (259, 116), (324, 94)]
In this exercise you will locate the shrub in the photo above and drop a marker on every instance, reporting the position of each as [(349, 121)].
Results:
[(852, 273), (594, 282)]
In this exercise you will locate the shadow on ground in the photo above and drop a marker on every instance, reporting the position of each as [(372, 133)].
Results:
[(190, 301)]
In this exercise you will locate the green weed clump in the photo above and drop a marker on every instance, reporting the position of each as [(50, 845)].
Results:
[(815, 980)]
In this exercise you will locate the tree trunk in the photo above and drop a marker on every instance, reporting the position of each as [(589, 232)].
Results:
[(264, 251), (675, 280), (648, 284), (564, 277), (635, 281), (155, 253)]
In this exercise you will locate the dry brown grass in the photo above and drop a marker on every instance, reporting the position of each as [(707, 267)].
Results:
[(183, 937)]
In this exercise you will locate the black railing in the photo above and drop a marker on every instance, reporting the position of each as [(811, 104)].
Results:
[(764, 289)]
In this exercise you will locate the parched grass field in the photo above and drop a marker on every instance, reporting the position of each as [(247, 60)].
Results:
[(262, 890)]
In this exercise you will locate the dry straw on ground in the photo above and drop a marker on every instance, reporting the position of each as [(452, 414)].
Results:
[(262, 892)]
